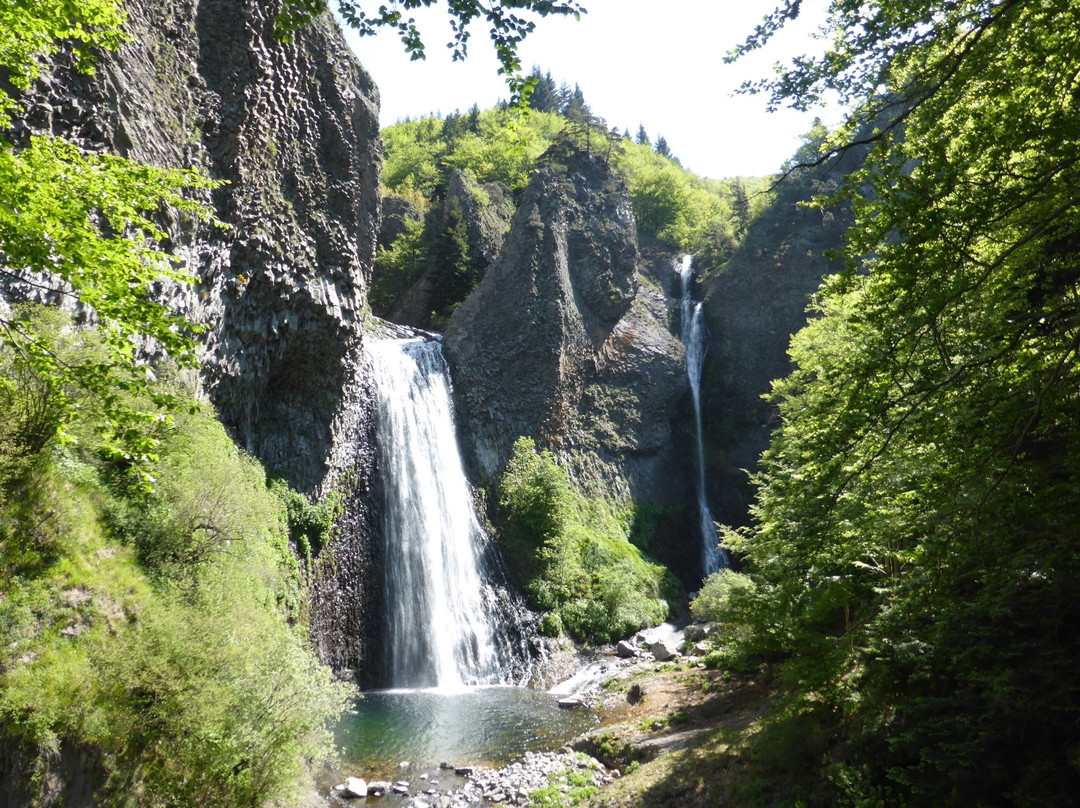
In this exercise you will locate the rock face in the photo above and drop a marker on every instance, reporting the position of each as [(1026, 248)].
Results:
[(294, 130), (563, 342), (484, 210), (753, 306)]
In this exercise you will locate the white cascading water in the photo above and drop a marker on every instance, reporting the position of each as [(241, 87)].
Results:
[(442, 628), (692, 334)]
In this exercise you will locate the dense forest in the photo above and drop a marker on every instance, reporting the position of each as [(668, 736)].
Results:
[(910, 568)]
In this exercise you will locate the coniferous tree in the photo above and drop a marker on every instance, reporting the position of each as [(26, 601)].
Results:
[(741, 208), (642, 138), (454, 275), (662, 147), (574, 106), (473, 123), (545, 95)]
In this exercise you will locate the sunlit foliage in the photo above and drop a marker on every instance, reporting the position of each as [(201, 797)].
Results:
[(916, 540)]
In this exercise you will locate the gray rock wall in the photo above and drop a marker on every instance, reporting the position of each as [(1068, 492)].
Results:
[(294, 130), (562, 342)]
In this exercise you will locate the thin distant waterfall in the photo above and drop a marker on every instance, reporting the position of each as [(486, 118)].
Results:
[(692, 334), (443, 625)]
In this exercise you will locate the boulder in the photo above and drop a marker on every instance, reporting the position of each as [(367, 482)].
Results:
[(354, 787), (625, 650), (695, 632), (662, 651)]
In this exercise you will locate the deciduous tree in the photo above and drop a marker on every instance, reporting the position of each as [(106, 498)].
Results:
[(916, 523)]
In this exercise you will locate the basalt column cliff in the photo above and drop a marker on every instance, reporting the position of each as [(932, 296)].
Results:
[(293, 129)]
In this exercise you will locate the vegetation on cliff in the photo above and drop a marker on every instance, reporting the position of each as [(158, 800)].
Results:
[(151, 609), (574, 554), (153, 647)]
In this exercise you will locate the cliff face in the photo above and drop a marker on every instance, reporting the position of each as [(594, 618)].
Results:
[(754, 304), (563, 341), (294, 130)]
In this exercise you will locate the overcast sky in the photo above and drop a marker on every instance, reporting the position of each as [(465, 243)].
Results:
[(635, 64)]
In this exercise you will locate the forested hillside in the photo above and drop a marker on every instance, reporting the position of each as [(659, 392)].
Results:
[(425, 236)]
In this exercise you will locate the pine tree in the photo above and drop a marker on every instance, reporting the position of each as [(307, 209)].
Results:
[(662, 147), (574, 106), (741, 208), (454, 275), (642, 138), (545, 96)]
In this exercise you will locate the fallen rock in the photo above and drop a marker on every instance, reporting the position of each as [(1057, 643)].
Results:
[(625, 650), (572, 702), (662, 651), (355, 787)]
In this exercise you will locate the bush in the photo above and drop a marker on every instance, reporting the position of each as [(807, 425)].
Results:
[(575, 554), (151, 631)]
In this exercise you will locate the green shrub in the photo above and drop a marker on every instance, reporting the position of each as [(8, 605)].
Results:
[(551, 625), (151, 623), (575, 554)]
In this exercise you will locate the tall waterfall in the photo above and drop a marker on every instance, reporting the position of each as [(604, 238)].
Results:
[(447, 627), (692, 334)]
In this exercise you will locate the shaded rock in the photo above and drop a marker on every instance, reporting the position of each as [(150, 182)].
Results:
[(625, 650), (695, 632), (562, 342), (294, 130), (397, 213), (662, 650)]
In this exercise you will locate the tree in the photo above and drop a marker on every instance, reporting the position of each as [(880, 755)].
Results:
[(662, 147), (455, 274), (506, 28), (740, 207), (573, 104), (915, 527), (642, 138), (86, 226), (545, 97)]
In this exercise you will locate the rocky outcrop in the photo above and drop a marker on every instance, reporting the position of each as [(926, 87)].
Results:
[(483, 212), (293, 128), (397, 214), (753, 306), (563, 342), (486, 210)]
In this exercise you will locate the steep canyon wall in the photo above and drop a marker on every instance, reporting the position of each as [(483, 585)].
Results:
[(293, 129)]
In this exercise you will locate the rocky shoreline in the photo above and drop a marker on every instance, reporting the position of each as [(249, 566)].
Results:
[(507, 785)]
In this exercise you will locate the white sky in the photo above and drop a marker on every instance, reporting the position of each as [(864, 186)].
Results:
[(635, 64)]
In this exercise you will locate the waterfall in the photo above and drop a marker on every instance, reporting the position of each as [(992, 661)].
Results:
[(692, 334), (447, 625)]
